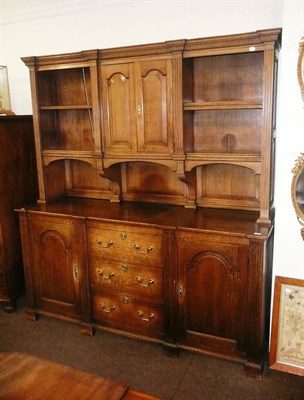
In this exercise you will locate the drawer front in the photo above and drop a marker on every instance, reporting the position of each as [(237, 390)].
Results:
[(124, 245), (126, 276), (129, 313)]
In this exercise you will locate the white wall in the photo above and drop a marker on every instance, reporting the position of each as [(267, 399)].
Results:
[(38, 27)]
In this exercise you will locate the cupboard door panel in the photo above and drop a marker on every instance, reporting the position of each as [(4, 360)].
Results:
[(119, 107), (56, 267), (154, 108), (213, 277), (56, 277)]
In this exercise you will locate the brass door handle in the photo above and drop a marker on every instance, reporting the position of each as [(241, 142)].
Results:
[(107, 310), (110, 243), (139, 280), (137, 247), (101, 274), (146, 319)]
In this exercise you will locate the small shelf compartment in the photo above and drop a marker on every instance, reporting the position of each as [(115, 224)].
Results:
[(223, 103), (75, 178), (222, 186), (70, 87), (223, 131), (66, 120), (224, 78), (69, 129)]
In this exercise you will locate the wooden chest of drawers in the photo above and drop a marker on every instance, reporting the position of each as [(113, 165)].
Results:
[(126, 277)]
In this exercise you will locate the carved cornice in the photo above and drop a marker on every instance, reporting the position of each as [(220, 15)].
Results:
[(69, 58), (143, 50), (246, 39), (182, 46)]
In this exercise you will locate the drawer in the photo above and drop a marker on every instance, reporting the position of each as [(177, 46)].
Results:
[(129, 313), (126, 276), (126, 245)]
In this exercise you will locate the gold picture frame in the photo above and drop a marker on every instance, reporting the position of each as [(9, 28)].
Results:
[(297, 190), (300, 68), (287, 331), (5, 101)]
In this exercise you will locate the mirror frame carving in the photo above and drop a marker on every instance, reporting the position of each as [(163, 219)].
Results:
[(297, 170), (299, 166), (300, 68)]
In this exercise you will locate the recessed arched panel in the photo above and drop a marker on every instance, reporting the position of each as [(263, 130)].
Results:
[(118, 106), (154, 108), (55, 269), (118, 95), (212, 284), (155, 112)]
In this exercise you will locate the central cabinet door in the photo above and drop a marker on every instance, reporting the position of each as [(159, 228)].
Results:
[(137, 107), (57, 246), (212, 293)]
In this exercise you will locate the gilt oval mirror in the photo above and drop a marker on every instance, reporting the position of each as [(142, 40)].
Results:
[(297, 190), (301, 66)]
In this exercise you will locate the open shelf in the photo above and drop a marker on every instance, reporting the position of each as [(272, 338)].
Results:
[(65, 104)]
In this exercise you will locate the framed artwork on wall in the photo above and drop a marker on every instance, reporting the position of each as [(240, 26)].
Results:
[(5, 102), (287, 331)]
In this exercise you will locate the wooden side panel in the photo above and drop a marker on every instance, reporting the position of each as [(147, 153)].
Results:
[(18, 187)]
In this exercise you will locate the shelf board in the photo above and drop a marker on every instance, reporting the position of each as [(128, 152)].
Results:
[(55, 155), (221, 105), (216, 156), (250, 160), (72, 107)]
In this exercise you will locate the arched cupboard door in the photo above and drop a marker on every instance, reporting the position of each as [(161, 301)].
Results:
[(57, 266), (212, 293)]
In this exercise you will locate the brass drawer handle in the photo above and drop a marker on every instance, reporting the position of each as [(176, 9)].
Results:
[(139, 280), (110, 242), (137, 247), (101, 274), (107, 310), (146, 319)]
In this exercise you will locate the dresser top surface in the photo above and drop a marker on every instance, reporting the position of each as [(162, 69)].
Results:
[(164, 216)]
